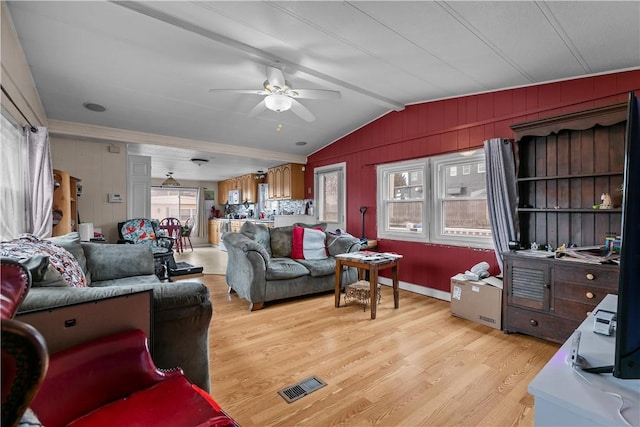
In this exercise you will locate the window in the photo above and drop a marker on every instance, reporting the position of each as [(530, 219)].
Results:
[(181, 203), (403, 204), (13, 188), (460, 202), (428, 200), (330, 198)]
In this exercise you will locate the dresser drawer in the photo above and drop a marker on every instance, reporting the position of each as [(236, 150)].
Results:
[(587, 274), (539, 324), (585, 294), (572, 309)]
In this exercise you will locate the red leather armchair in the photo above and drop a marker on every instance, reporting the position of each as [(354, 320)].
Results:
[(113, 381), (24, 352), (107, 381)]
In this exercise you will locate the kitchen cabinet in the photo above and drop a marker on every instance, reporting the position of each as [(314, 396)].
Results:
[(223, 192), (286, 182), (248, 184), (214, 231), (65, 203), (565, 163)]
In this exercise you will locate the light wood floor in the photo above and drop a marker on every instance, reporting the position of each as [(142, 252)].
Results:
[(414, 366), (212, 259)]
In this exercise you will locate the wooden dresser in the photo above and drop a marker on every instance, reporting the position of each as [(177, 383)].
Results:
[(549, 298), (565, 163)]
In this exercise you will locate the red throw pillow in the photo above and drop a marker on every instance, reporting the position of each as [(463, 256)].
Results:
[(308, 243)]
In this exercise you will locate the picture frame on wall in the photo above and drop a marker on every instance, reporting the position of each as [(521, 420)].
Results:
[(209, 195)]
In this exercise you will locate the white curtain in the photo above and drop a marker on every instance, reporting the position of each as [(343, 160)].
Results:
[(13, 180), (201, 228), (501, 193), (40, 182)]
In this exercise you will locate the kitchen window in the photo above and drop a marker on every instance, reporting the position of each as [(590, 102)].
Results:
[(440, 199)]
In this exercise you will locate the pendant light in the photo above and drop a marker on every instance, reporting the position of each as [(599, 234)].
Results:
[(170, 181)]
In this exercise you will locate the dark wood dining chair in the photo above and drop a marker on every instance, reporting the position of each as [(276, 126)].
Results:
[(174, 230), (186, 234)]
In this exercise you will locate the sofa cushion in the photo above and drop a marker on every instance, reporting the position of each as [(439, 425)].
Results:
[(259, 233), (281, 241), (27, 245), (109, 261), (43, 274), (71, 242), (285, 268), (172, 402), (308, 243), (149, 279), (319, 267)]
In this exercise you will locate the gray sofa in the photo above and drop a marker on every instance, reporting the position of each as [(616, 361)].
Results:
[(181, 310), (260, 268)]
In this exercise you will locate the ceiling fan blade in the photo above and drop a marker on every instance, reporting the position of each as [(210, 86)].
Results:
[(275, 77), (301, 111), (315, 94), (247, 91), (259, 108)]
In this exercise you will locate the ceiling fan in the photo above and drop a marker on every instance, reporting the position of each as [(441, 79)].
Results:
[(280, 96)]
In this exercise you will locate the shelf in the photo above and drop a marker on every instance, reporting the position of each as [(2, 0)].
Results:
[(580, 175), (570, 210)]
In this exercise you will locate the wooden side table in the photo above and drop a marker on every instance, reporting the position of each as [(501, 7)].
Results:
[(372, 266)]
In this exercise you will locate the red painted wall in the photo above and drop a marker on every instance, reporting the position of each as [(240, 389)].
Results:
[(446, 126)]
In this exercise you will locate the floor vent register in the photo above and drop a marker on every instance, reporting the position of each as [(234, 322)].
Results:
[(301, 389)]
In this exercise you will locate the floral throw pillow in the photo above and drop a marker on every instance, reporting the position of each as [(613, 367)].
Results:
[(27, 245), (139, 231)]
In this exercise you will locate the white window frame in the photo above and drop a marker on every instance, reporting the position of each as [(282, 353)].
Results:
[(341, 170), (438, 166), (384, 199), (433, 179)]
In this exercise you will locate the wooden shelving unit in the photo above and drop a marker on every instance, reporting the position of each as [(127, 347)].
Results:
[(565, 163), (65, 203)]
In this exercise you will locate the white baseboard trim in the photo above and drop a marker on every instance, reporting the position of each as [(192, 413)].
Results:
[(422, 290)]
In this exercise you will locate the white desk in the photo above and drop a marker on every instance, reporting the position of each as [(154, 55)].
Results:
[(564, 398)]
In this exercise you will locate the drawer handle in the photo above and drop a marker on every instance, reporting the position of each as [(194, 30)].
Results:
[(533, 322), (590, 295), (590, 276)]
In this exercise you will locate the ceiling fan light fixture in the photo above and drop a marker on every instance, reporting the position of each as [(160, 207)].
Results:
[(278, 103), (170, 181)]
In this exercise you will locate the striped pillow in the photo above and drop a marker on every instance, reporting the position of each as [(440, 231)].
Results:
[(308, 243)]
